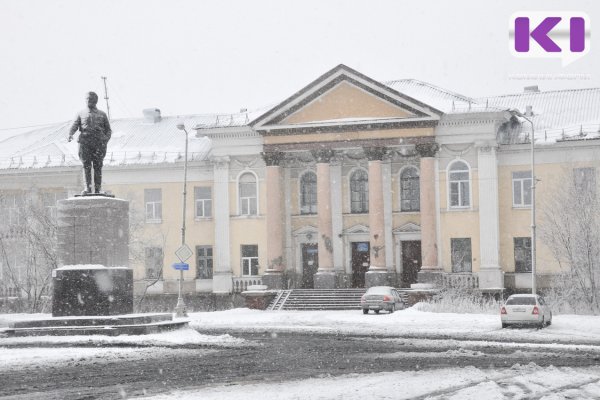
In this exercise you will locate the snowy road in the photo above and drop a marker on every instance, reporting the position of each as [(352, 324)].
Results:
[(251, 354), (113, 372)]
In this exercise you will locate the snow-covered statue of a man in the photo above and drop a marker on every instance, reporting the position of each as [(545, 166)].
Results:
[(95, 134)]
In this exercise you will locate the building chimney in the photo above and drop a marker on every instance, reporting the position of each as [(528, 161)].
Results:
[(531, 89), (529, 111), (152, 115)]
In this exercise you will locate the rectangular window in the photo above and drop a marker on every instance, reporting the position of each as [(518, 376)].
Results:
[(248, 199), (153, 262), (460, 189), (521, 188), (203, 199), (12, 206), (522, 254), (249, 259), (585, 180), (461, 255), (204, 262), (153, 201)]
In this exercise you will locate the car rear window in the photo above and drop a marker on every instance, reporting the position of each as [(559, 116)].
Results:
[(378, 290), (521, 301)]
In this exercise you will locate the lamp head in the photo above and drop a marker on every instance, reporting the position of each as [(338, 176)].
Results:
[(181, 126)]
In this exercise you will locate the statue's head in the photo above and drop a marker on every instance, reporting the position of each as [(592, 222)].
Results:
[(92, 99)]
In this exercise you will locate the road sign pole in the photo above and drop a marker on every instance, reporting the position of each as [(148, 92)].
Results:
[(180, 307)]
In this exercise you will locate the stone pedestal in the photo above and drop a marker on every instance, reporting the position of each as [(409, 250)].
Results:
[(93, 252), (93, 230), (432, 278), (491, 278), (325, 280), (377, 278), (92, 290), (273, 280)]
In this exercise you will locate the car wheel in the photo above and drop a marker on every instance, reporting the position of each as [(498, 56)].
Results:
[(376, 311), (504, 325), (549, 321), (542, 324), (365, 310), (393, 309)]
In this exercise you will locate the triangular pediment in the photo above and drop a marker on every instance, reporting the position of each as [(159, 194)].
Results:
[(306, 230), (345, 97), (346, 102), (408, 228), (356, 230)]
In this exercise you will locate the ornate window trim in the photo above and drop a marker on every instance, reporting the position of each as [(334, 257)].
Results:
[(239, 198), (460, 205)]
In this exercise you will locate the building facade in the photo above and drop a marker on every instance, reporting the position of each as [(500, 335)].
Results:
[(347, 183)]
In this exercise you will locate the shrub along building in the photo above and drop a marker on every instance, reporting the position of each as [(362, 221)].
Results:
[(347, 183)]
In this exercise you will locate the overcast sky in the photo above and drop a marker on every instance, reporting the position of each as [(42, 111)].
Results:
[(194, 57)]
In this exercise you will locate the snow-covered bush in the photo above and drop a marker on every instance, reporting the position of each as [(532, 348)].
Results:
[(460, 300)]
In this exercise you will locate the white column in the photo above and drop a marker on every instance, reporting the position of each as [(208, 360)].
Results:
[(222, 273), (490, 273)]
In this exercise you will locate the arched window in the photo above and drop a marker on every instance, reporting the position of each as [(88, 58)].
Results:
[(359, 191), (308, 193), (410, 190), (247, 194), (459, 186)]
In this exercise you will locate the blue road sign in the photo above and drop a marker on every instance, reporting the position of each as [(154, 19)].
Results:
[(181, 266)]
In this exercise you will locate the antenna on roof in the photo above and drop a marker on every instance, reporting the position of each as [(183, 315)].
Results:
[(106, 97)]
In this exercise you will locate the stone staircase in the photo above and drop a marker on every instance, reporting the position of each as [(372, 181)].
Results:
[(317, 299)]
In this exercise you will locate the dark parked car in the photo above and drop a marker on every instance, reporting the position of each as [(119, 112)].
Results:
[(379, 298)]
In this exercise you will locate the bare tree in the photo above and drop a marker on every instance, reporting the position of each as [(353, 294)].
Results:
[(28, 252), (140, 239), (571, 229)]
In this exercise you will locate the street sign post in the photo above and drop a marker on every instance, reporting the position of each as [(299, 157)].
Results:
[(184, 253), (181, 266)]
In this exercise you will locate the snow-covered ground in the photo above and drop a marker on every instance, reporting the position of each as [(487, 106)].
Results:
[(571, 332), (518, 382), (566, 329)]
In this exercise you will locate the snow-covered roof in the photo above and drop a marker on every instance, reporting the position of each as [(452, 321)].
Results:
[(557, 114), (434, 96), (134, 141)]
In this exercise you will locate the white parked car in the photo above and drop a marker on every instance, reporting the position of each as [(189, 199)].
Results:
[(379, 298), (525, 309)]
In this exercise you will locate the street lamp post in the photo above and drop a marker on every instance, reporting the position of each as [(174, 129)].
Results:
[(180, 310), (527, 116)]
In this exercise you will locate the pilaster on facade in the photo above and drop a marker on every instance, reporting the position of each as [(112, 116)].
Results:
[(223, 274), (490, 275)]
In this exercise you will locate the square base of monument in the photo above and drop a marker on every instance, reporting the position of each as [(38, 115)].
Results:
[(92, 290), (273, 280), (491, 278), (376, 278), (432, 278), (325, 280)]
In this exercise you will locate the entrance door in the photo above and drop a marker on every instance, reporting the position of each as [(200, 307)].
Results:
[(310, 264), (360, 263), (411, 261)]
